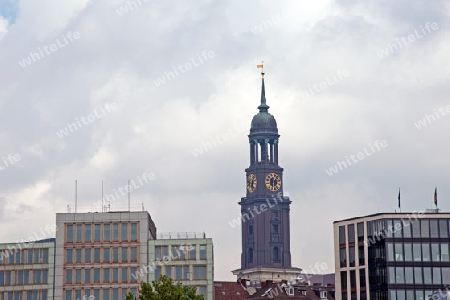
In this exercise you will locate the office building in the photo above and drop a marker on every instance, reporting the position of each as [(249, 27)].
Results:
[(184, 257), (392, 256), (27, 270), (97, 254)]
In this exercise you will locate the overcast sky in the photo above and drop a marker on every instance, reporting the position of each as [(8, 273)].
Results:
[(340, 76)]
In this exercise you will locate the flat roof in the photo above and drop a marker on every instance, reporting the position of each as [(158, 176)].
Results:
[(396, 214)]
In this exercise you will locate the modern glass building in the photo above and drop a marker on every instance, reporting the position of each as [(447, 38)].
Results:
[(27, 270), (392, 256), (184, 257)]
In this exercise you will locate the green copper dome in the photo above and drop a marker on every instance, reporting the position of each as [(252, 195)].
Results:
[(263, 122)]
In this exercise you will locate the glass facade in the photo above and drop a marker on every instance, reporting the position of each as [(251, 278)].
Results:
[(408, 257)]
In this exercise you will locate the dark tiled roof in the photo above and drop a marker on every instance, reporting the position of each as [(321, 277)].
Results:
[(305, 292), (226, 290)]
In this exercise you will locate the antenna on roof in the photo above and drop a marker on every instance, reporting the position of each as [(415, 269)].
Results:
[(129, 189), (102, 196), (75, 196)]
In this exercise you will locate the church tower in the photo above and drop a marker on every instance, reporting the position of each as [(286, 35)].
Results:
[(266, 253)]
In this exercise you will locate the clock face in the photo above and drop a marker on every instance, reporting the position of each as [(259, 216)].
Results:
[(251, 182), (273, 182)]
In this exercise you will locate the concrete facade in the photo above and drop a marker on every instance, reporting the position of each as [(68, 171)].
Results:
[(97, 253), (185, 258)]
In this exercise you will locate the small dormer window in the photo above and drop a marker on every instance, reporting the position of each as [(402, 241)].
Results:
[(291, 291), (323, 295), (304, 293)]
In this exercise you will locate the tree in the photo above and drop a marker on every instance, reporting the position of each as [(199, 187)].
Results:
[(165, 289)]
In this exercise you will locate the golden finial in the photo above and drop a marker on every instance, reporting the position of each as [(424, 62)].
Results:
[(261, 66)]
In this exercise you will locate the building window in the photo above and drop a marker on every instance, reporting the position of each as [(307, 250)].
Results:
[(78, 276), (275, 228), (69, 233), (96, 255), (343, 280), (250, 229), (360, 229), (87, 276), (97, 233), (160, 252), (418, 279), (68, 295), (443, 229), (351, 233), (79, 233), (250, 255), (124, 232), (45, 254), (435, 255), (192, 252), (409, 275), (115, 255), (69, 255), (202, 291), (276, 254), (87, 230), (444, 252), (124, 275), (133, 232), (186, 273), (115, 274), (361, 256), (400, 275), (352, 279), (105, 294), (106, 232), (178, 273), (87, 255), (199, 272), (362, 278), (446, 274), (426, 252), (434, 229), (417, 252), (106, 257), (169, 271), (78, 255), (115, 294), (341, 235), (124, 255), (351, 256), (202, 251), (398, 248), (343, 257), (157, 273), (68, 276), (425, 228), (106, 278), (134, 276), (427, 275), (133, 254), (408, 251), (115, 232)]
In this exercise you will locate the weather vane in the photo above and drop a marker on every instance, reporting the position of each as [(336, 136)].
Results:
[(261, 66)]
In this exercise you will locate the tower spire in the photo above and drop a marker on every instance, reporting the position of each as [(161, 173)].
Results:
[(263, 107)]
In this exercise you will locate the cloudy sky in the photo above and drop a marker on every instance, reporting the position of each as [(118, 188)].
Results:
[(341, 75)]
